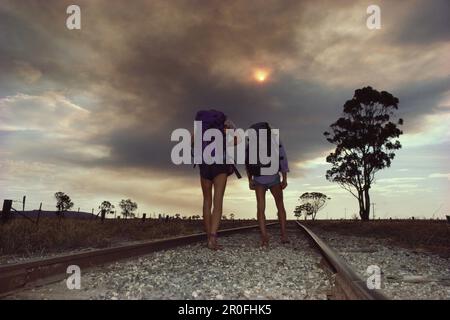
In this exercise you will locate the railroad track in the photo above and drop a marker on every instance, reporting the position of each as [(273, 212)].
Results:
[(346, 284)]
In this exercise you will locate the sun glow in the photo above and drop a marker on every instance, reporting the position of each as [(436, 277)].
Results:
[(260, 75)]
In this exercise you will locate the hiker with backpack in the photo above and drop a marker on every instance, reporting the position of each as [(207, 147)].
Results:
[(213, 177), (261, 183)]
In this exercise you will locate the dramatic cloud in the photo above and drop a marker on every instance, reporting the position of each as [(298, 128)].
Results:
[(426, 24), (107, 97)]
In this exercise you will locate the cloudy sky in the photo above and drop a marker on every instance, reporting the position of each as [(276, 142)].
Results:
[(90, 112)]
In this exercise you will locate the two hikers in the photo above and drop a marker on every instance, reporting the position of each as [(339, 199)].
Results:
[(213, 178)]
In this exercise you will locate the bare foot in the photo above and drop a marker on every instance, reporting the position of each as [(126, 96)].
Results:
[(284, 239), (264, 241), (215, 247), (212, 242)]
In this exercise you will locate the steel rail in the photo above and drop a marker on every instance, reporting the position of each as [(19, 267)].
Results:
[(23, 275), (347, 282), (43, 271)]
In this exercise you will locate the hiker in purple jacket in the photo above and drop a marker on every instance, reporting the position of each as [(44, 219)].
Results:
[(213, 177), (261, 183)]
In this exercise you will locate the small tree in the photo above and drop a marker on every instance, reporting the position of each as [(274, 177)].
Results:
[(365, 143), (298, 212), (312, 202), (107, 206), (63, 202), (306, 209), (128, 207), (231, 216)]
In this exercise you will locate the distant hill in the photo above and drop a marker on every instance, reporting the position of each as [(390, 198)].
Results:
[(52, 214)]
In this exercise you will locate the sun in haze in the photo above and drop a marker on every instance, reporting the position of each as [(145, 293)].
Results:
[(260, 75)]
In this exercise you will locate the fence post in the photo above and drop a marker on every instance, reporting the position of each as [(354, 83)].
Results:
[(6, 211), (39, 214), (143, 217)]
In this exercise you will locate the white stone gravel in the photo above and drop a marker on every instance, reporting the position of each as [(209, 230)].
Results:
[(242, 270), (405, 274)]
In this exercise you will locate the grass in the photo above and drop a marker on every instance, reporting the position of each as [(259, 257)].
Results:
[(423, 235), (21, 237)]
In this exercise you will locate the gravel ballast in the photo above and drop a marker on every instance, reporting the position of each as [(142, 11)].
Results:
[(405, 273), (242, 270)]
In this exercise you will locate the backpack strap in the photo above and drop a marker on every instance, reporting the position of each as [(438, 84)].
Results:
[(236, 172)]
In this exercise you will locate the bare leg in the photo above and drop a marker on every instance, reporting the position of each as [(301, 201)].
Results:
[(261, 208), (277, 193), (207, 204), (219, 182)]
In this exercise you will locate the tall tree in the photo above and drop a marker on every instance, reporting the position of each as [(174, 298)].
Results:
[(63, 202), (365, 139), (128, 207), (312, 202)]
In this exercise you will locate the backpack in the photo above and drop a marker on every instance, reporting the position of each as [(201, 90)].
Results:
[(255, 168), (213, 119)]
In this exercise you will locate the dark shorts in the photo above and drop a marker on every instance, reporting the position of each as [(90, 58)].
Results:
[(268, 184), (210, 171)]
